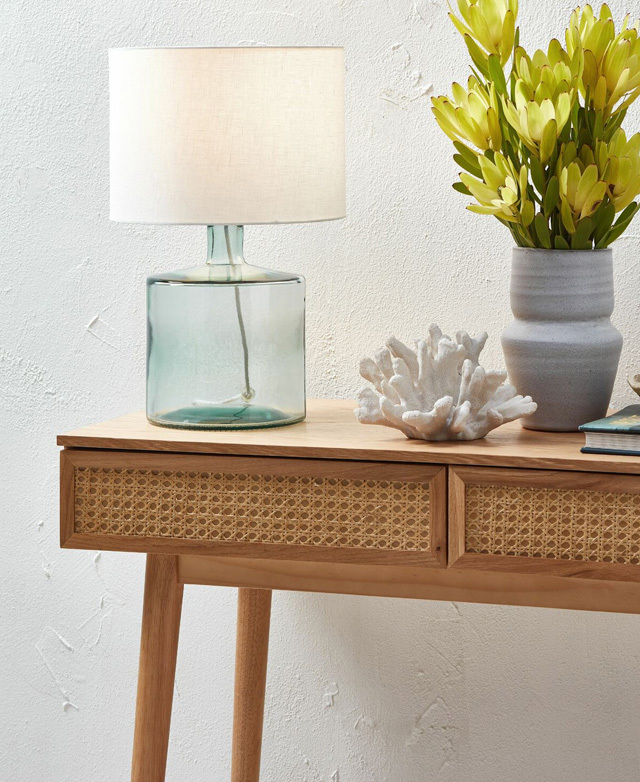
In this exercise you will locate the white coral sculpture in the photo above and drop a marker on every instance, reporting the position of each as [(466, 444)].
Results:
[(439, 391)]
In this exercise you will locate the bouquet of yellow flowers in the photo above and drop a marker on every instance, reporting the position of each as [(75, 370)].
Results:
[(540, 137)]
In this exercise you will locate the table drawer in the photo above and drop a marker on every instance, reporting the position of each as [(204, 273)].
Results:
[(359, 512), (560, 523)]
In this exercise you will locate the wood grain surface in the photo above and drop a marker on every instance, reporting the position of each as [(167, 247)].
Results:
[(252, 646), (458, 585), (158, 652), (330, 431)]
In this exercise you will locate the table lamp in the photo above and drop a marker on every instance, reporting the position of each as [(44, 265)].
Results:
[(226, 137)]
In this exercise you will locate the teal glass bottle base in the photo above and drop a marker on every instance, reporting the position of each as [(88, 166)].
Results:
[(238, 416), (225, 342)]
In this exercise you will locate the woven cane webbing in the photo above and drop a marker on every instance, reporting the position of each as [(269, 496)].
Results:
[(290, 510), (594, 526)]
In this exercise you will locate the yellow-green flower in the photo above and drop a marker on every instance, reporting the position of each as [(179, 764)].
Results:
[(489, 23), (545, 90), (588, 31), (569, 152), (539, 124), (619, 166), (621, 71), (540, 138), (501, 192), (581, 193), (547, 75), (470, 116), (611, 62)]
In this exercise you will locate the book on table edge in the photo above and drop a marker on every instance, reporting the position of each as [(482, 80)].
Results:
[(618, 433)]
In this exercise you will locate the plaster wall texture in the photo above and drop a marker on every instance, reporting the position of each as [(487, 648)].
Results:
[(360, 689)]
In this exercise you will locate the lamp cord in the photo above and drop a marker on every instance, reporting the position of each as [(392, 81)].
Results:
[(248, 393)]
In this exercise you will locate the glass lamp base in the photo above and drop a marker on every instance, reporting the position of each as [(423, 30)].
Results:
[(225, 347), (239, 416)]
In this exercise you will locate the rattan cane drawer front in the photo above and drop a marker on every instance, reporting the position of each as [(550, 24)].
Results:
[(563, 522), (287, 508)]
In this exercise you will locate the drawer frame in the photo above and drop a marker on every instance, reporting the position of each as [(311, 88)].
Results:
[(434, 475), (461, 477)]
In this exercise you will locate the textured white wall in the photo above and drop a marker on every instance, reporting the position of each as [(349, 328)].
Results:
[(360, 690)]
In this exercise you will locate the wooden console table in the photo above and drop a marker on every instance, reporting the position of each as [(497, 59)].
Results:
[(329, 505)]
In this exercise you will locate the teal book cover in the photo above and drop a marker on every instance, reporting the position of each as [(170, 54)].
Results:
[(625, 421)]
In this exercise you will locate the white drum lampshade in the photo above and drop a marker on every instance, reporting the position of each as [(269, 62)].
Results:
[(220, 136)]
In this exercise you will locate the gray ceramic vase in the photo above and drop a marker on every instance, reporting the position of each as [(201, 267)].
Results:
[(562, 348)]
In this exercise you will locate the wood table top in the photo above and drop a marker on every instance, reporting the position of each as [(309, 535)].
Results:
[(331, 431)]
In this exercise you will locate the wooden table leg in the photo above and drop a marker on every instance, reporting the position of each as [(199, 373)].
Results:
[(252, 646), (158, 652)]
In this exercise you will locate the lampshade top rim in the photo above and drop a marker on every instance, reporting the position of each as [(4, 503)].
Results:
[(220, 48)]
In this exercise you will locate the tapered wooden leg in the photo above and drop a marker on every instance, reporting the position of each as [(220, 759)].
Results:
[(252, 646), (158, 652)]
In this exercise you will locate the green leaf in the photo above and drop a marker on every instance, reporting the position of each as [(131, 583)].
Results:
[(581, 239), (575, 113), (551, 196), (567, 217), (463, 162), (613, 124), (627, 214), (588, 115), (597, 215), (561, 243), (584, 138), (475, 52), (521, 236), (537, 174), (621, 225), (512, 229), (631, 98), (464, 150), (508, 151), (548, 142), (565, 136), (598, 126), (476, 75), (527, 213), (461, 188), (603, 220), (614, 233), (512, 84), (542, 231), (497, 74)]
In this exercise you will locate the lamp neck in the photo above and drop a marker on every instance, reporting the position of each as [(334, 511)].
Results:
[(224, 244)]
